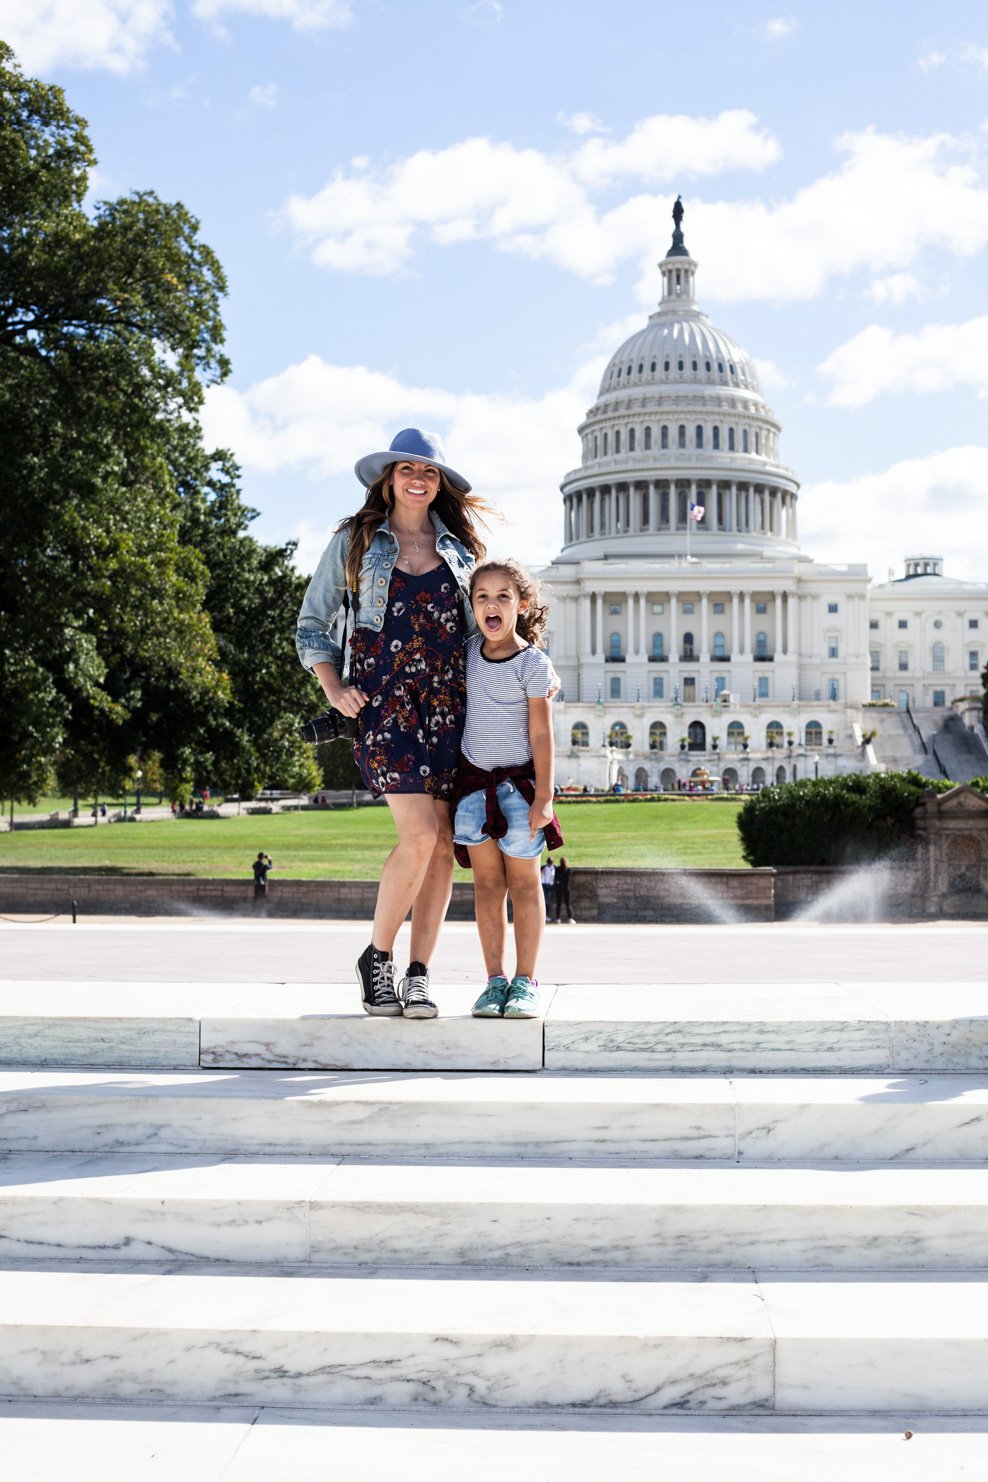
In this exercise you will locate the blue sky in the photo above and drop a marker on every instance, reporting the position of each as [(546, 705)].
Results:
[(450, 213)]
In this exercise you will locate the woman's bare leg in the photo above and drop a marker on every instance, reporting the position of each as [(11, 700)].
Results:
[(406, 867), (528, 908), (490, 893), (432, 901)]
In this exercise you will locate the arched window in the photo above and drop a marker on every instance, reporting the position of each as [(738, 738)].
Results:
[(735, 735), (719, 649), (658, 739), (761, 645), (664, 438), (595, 445), (641, 367), (696, 734), (617, 440), (813, 734), (698, 436), (679, 365), (657, 645), (758, 442), (615, 645), (744, 439), (631, 439), (620, 736), (681, 436), (688, 646), (773, 733), (730, 439), (715, 439), (939, 658), (579, 736), (648, 439)]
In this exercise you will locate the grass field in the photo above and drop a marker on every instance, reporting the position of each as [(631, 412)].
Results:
[(350, 844)]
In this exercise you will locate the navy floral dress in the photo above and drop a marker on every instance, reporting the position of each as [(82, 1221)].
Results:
[(413, 673)]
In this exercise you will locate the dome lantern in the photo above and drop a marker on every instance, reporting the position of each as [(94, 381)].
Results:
[(678, 269)]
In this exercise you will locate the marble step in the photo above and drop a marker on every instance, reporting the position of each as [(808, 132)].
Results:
[(902, 1118), (49, 1441), (781, 1027), (791, 1027), (812, 1346), (450, 1214)]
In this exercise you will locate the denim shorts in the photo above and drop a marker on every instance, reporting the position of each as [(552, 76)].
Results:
[(471, 815)]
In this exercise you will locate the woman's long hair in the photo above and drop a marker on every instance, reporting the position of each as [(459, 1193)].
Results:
[(458, 512), (531, 623)]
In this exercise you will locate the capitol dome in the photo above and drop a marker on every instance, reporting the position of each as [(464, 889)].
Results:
[(679, 426)]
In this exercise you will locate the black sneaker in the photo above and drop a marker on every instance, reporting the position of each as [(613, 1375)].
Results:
[(414, 993), (376, 979)]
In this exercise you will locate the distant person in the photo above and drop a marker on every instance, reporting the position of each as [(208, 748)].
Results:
[(260, 868), (562, 907), (548, 881)]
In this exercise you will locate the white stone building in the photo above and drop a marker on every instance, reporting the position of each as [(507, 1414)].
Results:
[(691, 633)]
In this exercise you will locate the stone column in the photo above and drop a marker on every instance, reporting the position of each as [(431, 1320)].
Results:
[(735, 624), (792, 639), (746, 634), (704, 641), (642, 604), (777, 598), (586, 622), (673, 624)]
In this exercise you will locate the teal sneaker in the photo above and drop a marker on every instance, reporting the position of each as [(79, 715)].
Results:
[(490, 1004), (524, 1000)]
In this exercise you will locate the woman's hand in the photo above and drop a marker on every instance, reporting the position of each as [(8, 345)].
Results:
[(539, 815), (347, 699)]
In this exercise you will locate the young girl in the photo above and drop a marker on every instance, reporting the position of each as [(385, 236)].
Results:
[(504, 818)]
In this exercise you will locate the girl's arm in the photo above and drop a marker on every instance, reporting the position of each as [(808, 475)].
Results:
[(540, 738)]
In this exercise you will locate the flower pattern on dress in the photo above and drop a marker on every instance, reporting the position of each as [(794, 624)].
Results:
[(414, 674)]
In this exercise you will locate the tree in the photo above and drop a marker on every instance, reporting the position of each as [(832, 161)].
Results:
[(109, 329)]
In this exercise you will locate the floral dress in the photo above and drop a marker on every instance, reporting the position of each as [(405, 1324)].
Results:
[(414, 676)]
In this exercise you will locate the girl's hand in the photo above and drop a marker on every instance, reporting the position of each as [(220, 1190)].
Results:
[(539, 816)]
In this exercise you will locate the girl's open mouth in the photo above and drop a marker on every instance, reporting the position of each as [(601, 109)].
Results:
[(492, 623)]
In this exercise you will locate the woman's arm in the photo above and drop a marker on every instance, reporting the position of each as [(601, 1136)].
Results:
[(317, 648), (540, 739)]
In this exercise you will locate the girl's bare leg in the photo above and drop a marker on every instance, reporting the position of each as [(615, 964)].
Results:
[(528, 908), (490, 893)]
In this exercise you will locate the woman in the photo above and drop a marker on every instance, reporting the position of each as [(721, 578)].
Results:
[(402, 566)]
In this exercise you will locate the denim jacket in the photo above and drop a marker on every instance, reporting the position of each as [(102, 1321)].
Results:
[(324, 596)]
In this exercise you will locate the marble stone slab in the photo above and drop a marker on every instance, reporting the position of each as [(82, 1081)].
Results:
[(336, 1341), (49, 1441), (339, 1036), (334, 1113), (715, 1027), (935, 1026), (145, 1043), (897, 1118), (919, 1346)]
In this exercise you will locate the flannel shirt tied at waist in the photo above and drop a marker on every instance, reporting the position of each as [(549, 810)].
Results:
[(474, 779)]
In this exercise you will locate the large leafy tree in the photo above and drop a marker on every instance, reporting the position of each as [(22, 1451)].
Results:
[(136, 614)]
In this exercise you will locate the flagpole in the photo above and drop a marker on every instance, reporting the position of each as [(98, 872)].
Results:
[(689, 523)]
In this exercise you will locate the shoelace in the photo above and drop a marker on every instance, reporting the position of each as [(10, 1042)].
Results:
[(417, 990), (382, 981)]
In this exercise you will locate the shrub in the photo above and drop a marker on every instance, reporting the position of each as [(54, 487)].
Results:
[(833, 821)]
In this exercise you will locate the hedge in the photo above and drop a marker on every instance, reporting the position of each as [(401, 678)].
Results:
[(835, 820)]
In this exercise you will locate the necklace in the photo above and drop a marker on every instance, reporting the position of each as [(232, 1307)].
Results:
[(412, 535)]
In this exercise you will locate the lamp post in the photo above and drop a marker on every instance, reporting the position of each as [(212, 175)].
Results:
[(816, 766), (138, 779)]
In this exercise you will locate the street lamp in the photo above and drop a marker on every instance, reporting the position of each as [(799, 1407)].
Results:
[(138, 778), (816, 766)]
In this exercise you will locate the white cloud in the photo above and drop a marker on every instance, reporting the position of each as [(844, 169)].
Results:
[(877, 362), (112, 35), (934, 504), (528, 202), (317, 419), (582, 123), (896, 288), (303, 15), (780, 26), (771, 376), (976, 54), (264, 95), (485, 13), (932, 60), (891, 198)]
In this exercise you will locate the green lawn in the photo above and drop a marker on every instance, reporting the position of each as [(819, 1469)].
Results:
[(350, 844)]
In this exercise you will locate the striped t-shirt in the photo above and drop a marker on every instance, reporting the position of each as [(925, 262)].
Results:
[(498, 692)]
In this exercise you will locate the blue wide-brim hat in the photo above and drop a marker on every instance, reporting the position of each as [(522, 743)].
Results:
[(411, 445)]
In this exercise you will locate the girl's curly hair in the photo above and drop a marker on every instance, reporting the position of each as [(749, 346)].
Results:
[(533, 621)]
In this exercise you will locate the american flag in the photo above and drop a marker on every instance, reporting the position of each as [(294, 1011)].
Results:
[(697, 512)]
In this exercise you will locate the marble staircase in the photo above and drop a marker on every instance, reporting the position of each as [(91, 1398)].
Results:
[(685, 1231)]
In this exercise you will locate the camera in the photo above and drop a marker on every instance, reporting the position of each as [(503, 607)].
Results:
[(330, 726)]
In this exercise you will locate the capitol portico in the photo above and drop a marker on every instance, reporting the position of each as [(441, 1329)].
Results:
[(691, 633)]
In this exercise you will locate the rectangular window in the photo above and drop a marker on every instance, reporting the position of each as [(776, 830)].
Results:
[(688, 607), (658, 687), (833, 647), (903, 623), (876, 692), (719, 607), (873, 624), (720, 684), (615, 609), (615, 687), (761, 607), (876, 660), (658, 607), (833, 690), (763, 686), (972, 622), (831, 606), (939, 699), (972, 659), (903, 659)]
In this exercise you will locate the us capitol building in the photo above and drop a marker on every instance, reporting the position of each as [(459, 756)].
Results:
[(693, 637)]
